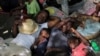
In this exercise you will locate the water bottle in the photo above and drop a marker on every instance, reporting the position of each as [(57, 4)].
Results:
[(95, 46)]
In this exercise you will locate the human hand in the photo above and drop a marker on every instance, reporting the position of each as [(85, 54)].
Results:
[(75, 32), (72, 30)]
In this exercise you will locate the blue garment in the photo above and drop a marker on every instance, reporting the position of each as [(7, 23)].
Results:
[(59, 40), (41, 48), (24, 40)]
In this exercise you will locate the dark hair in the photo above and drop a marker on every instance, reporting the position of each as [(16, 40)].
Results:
[(47, 12), (73, 39), (74, 22), (46, 29)]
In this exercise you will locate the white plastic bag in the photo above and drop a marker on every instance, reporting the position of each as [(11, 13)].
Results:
[(91, 29)]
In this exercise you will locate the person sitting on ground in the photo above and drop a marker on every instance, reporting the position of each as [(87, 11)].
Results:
[(58, 41), (17, 21), (78, 44), (25, 38), (41, 42), (50, 24), (42, 17)]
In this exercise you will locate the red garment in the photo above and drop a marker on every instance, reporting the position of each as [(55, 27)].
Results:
[(79, 50)]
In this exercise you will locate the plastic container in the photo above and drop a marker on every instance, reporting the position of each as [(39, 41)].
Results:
[(95, 46)]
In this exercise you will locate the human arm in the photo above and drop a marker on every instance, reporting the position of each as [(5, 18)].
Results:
[(85, 41), (15, 28)]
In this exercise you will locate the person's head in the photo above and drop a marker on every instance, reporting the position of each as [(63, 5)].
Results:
[(66, 27), (53, 21), (45, 33), (73, 42), (42, 16)]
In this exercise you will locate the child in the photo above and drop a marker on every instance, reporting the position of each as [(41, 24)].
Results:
[(78, 44), (32, 8), (41, 42)]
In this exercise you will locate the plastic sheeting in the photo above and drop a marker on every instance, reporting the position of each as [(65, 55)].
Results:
[(13, 50), (9, 49), (87, 6), (91, 28), (55, 12)]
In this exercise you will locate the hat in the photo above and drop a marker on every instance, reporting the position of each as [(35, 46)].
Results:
[(28, 27)]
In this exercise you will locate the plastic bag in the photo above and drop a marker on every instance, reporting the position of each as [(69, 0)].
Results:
[(90, 30)]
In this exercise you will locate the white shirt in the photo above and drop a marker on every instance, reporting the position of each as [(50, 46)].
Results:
[(27, 40), (41, 26), (24, 40), (44, 25)]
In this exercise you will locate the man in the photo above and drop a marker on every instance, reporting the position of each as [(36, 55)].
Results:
[(51, 23), (42, 17), (25, 37), (58, 41)]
